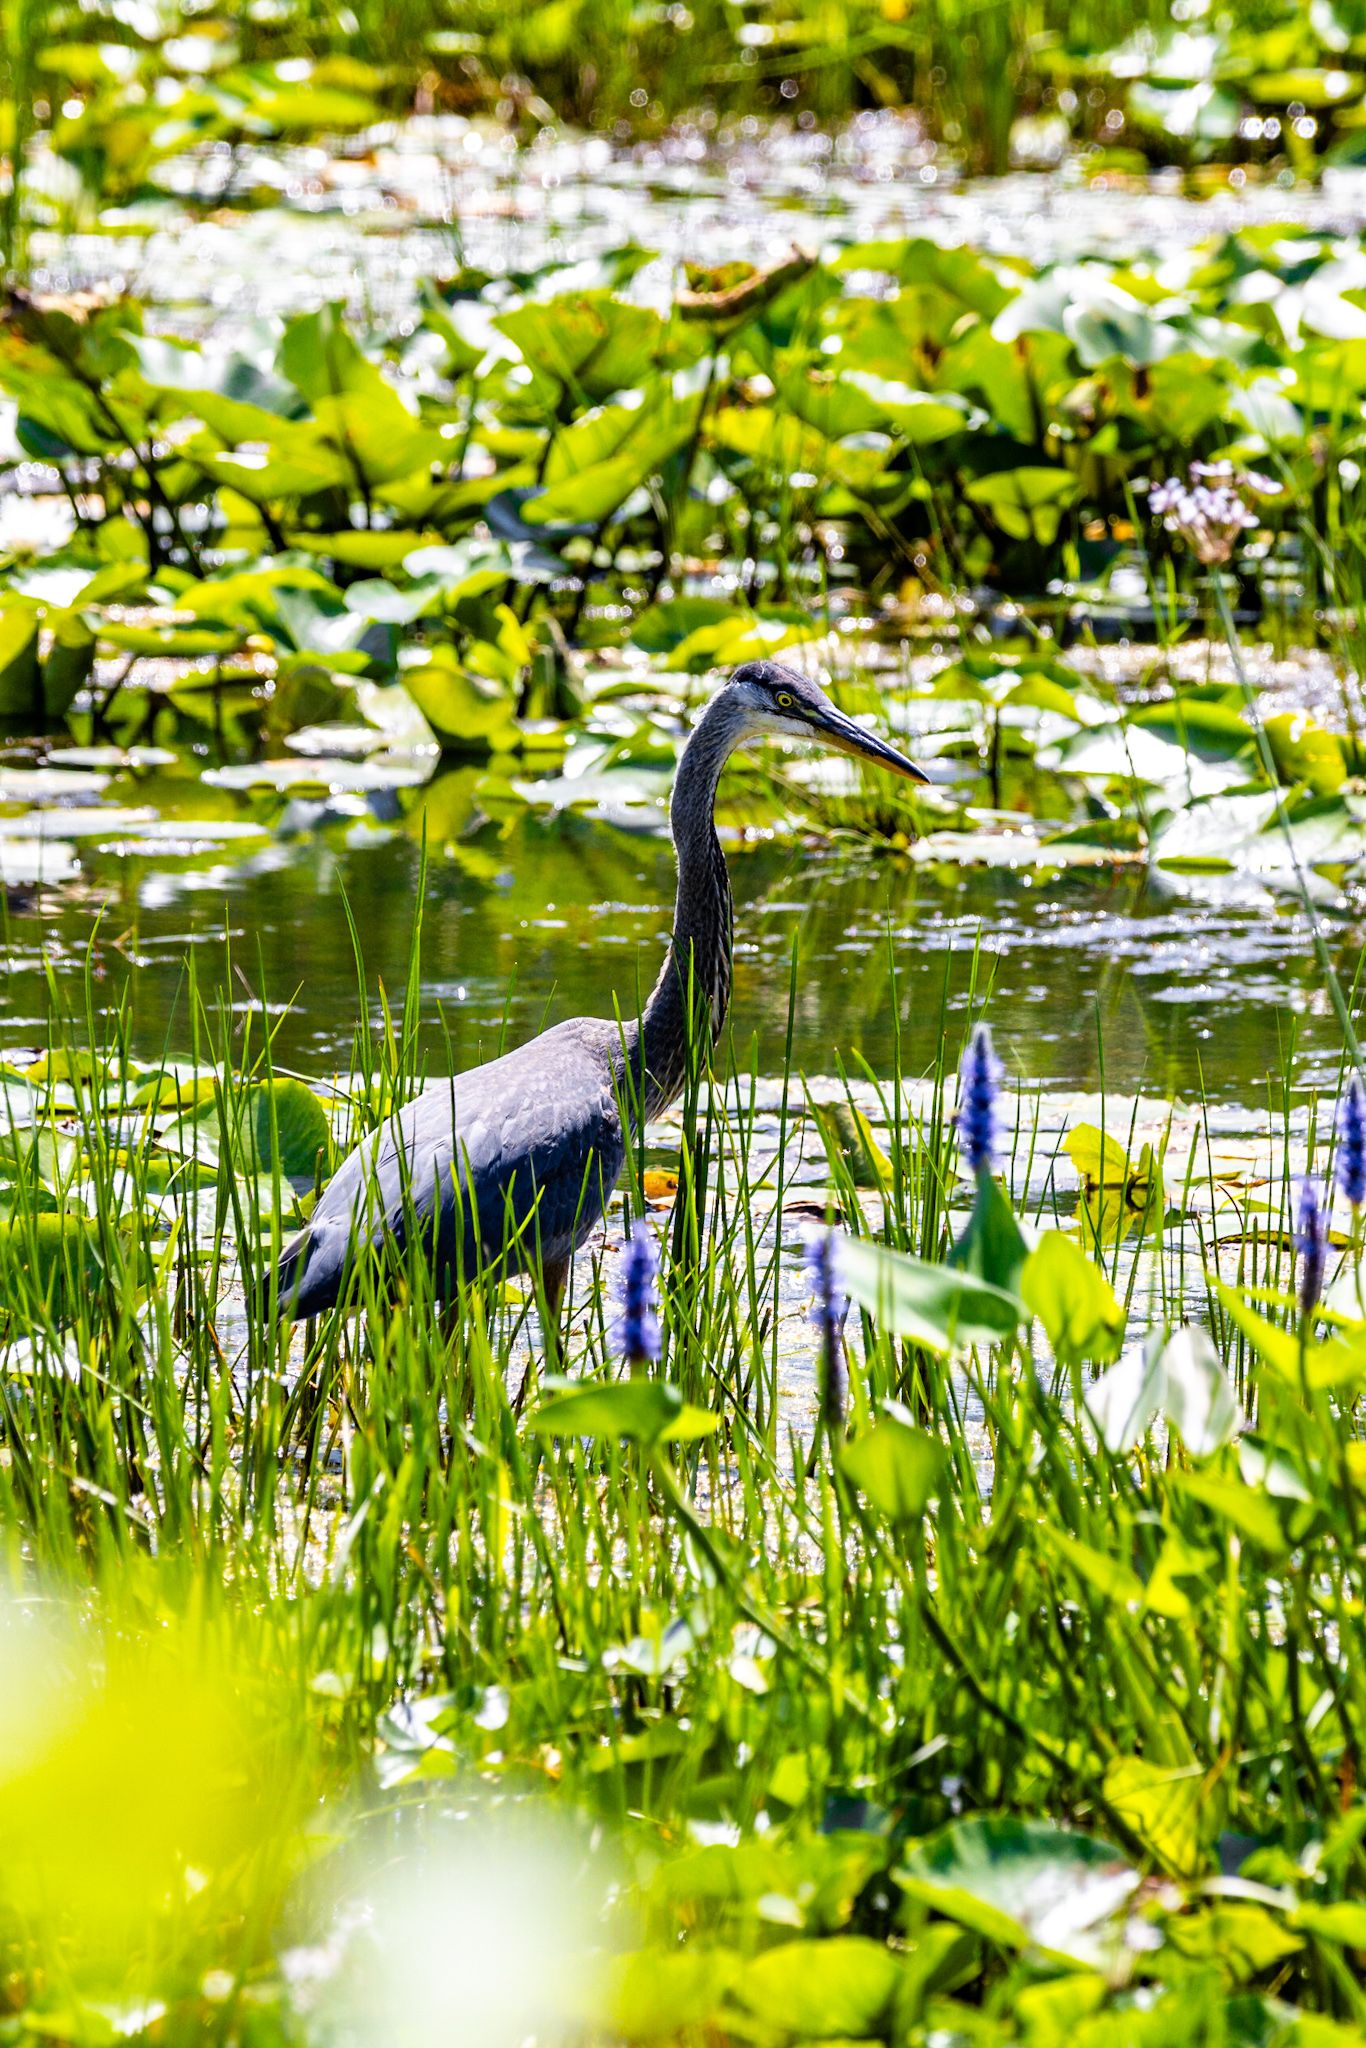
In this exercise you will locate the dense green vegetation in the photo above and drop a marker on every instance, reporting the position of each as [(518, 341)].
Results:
[(996, 1745), (985, 1668), (451, 537)]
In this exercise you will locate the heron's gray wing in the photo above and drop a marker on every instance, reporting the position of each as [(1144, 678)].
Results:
[(517, 1155)]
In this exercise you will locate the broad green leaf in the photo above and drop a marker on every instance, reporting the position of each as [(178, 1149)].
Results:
[(646, 1410), (1118, 1194), (1180, 1377), (1110, 1576), (290, 1129), (1162, 1808), (1203, 112), (1248, 1508), (992, 1246), (70, 661), (589, 344), (1198, 1396), (597, 463), (1278, 1348), (468, 713), (1304, 752), (654, 1995), (1024, 1883), (1177, 1560), (849, 1136), (20, 683), (662, 627), (469, 567), (1026, 503), (1342, 1921), (822, 1990), (921, 418), (47, 1256), (789, 447), (895, 1464), (1244, 1940), (932, 1305), (1073, 1300)]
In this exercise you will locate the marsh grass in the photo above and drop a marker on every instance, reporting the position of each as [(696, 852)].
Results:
[(1153, 1646)]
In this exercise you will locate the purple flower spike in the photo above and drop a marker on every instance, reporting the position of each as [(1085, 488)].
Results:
[(1350, 1164), (829, 1307), (980, 1078), (1311, 1242), (637, 1334)]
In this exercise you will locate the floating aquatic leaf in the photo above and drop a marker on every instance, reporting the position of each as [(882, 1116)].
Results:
[(43, 862), (77, 822), (50, 783), (327, 776), (1118, 1194)]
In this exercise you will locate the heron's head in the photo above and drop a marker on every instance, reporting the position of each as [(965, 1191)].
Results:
[(777, 700)]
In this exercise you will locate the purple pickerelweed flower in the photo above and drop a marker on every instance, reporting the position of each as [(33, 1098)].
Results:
[(1350, 1163), (1210, 510), (1311, 1241), (978, 1119), (637, 1335), (829, 1307)]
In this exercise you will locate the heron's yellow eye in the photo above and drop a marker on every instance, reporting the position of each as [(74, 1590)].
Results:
[(783, 701)]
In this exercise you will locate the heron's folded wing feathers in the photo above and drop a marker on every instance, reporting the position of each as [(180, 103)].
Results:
[(524, 1149)]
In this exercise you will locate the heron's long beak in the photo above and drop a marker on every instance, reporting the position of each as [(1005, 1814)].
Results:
[(845, 737)]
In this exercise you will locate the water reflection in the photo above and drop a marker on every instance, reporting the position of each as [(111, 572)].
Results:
[(1118, 975)]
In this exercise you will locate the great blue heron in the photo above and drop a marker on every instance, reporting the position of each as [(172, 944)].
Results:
[(516, 1159)]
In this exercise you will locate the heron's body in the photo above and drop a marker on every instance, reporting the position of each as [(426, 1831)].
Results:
[(517, 1159), (550, 1108)]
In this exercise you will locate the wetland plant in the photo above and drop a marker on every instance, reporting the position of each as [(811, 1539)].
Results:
[(1349, 1167), (916, 1686), (829, 1311), (1311, 1242), (637, 1337), (979, 1132), (1210, 510)]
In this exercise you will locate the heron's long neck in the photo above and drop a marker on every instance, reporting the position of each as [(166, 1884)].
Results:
[(697, 968)]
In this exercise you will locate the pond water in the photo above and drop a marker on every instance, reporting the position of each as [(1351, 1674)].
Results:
[(244, 233), (1194, 984)]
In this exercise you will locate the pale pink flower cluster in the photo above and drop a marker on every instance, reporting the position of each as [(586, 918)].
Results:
[(1210, 510)]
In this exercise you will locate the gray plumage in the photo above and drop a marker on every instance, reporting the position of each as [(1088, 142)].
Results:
[(516, 1160)]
